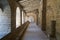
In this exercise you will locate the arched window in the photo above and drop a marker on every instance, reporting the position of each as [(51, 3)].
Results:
[(17, 17)]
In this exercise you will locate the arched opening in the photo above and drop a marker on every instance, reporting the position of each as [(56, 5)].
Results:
[(17, 17), (31, 19)]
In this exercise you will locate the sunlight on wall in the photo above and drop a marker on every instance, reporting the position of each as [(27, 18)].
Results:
[(5, 21), (17, 17)]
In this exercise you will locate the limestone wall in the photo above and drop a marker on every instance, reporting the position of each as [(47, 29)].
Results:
[(58, 16), (58, 20), (53, 13), (5, 20)]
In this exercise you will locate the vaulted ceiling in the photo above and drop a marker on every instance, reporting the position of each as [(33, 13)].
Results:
[(30, 5)]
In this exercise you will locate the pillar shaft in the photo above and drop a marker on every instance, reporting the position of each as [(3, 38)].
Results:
[(21, 16), (24, 16), (13, 14), (13, 21), (44, 15), (37, 18)]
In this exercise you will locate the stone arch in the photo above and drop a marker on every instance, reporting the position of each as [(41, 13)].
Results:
[(31, 19), (33, 15)]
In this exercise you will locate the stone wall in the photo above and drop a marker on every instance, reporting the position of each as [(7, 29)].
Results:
[(51, 13), (58, 16), (58, 20), (5, 20)]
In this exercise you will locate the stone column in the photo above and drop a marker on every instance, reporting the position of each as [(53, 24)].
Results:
[(37, 17), (24, 16), (13, 14), (13, 20), (44, 15), (21, 16)]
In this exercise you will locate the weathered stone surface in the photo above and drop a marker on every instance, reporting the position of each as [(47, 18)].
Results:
[(51, 13), (5, 20)]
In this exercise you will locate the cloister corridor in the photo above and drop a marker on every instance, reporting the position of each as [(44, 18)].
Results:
[(29, 19)]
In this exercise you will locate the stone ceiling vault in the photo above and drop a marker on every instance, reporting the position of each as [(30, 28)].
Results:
[(30, 5)]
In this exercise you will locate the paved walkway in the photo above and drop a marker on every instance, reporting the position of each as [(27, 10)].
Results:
[(34, 32)]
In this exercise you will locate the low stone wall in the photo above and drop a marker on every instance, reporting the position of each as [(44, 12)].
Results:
[(17, 33)]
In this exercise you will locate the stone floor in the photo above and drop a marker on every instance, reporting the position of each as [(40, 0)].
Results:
[(34, 32)]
